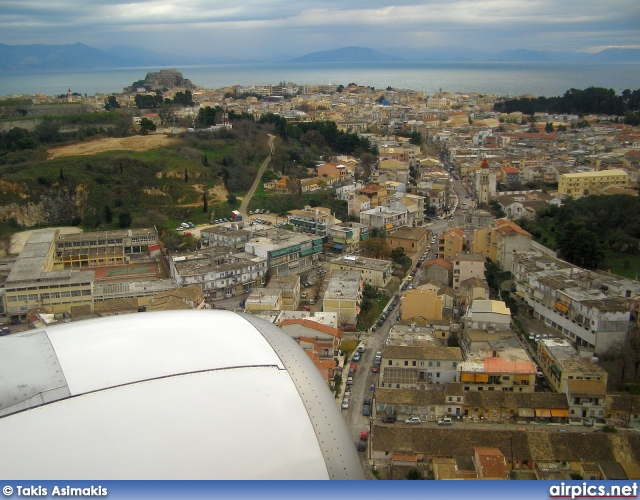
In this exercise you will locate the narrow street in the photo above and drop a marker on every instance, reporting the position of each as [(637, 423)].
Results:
[(247, 197)]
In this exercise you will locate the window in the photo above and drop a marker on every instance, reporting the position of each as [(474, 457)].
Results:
[(413, 363), (406, 363), (390, 362)]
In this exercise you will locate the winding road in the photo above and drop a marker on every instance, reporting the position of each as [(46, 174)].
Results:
[(247, 198)]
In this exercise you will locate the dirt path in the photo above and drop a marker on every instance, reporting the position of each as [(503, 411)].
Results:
[(247, 198), (133, 143)]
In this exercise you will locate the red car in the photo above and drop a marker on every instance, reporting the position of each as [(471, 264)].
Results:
[(364, 435), (305, 308), (375, 368), (354, 367)]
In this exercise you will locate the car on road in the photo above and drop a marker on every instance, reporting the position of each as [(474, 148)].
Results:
[(375, 368), (353, 367), (345, 404), (589, 422), (305, 308), (390, 419), (362, 446), (445, 421), (413, 420), (304, 295), (367, 401), (364, 435), (366, 410), (349, 380), (356, 356)]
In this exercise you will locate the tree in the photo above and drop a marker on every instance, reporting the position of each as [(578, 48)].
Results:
[(108, 214), (205, 203), (548, 128), (186, 175), (124, 220), (414, 474), (416, 138), (147, 126), (232, 200), (111, 103)]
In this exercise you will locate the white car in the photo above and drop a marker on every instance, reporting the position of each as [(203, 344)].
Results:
[(345, 404), (445, 421), (413, 420)]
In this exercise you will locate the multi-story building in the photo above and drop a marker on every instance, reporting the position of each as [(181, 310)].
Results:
[(584, 183), (497, 374), (343, 296), (384, 218), (413, 240), (414, 367), (314, 220), (499, 241), (290, 287), (101, 248), (374, 272), (229, 236), (264, 299), (338, 170), (346, 237), (587, 399), (591, 308), (467, 265), (220, 273), (423, 303), (491, 315), (286, 252), (450, 244), (560, 362), (32, 282)]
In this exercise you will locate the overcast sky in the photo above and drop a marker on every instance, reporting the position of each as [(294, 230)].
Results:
[(259, 28)]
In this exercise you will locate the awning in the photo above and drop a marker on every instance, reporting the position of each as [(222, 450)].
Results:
[(526, 412), (520, 294), (337, 247), (389, 226), (559, 413), (482, 377), (307, 251), (543, 413), (561, 307)]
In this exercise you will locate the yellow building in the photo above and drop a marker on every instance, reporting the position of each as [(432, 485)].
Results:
[(33, 282), (450, 244), (585, 183), (422, 302)]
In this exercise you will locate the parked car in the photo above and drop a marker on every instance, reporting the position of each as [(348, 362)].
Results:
[(589, 422), (364, 435), (366, 410), (445, 421), (353, 367), (367, 401), (305, 308), (375, 368), (362, 446), (350, 380), (345, 404), (356, 356), (389, 419), (304, 295), (413, 420)]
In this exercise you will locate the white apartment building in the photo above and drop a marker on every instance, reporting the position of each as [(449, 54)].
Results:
[(591, 308)]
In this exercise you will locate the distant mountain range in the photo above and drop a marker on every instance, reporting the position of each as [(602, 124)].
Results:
[(81, 56)]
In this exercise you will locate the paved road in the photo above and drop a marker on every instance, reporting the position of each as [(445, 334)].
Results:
[(247, 198)]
